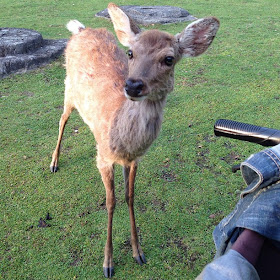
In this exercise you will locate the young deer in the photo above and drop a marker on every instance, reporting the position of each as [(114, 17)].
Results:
[(121, 98)]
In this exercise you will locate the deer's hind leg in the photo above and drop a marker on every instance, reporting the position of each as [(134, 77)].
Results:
[(68, 108), (107, 173), (129, 177)]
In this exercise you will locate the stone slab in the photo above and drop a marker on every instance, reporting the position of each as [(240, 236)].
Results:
[(146, 15), (24, 49), (18, 41)]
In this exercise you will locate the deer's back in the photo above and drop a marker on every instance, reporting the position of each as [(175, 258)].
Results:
[(93, 54), (96, 70)]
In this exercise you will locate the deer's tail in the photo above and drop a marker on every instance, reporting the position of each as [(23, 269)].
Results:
[(75, 26)]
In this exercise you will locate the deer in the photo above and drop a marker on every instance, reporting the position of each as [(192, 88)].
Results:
[(121, 97)]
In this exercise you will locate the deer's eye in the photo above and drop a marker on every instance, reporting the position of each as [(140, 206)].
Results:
[(169, 60), (130, 54)]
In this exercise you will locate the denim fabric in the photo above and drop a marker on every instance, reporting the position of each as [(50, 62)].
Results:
[(259, 206), (261, 170), (230, 266)]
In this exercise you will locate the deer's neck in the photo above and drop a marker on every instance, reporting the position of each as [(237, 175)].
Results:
[(135, 127)]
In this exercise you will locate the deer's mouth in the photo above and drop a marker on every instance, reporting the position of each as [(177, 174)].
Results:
[(134, 98), (134, 89)]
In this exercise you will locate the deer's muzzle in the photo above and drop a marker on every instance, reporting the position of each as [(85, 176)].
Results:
[(133, 89)]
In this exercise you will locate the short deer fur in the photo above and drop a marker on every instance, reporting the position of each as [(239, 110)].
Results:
[(121, 97)]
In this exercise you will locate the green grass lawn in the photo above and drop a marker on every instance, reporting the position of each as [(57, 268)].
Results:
[(184, 184)]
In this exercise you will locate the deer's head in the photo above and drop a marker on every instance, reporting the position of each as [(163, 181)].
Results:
[(153, 54)]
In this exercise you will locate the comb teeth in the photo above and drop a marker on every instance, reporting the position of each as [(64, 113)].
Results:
[(247, 132), (236, 127)]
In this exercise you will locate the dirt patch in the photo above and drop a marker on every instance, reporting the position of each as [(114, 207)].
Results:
[(95, 235), (179, 243), (184, 254), (191, 259), (179, 247), (159, 205), (142, 208), (86, 212), (166, 173), (202, 158), (180, 159), (216, 217), (210, 139), (126, 246), (231, 158), (76, 256), (75, 130), (27, 93), (101, 204), (59, 107), (2, 94), (168, 176)]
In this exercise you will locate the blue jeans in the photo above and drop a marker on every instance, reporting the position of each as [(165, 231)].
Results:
[(259, 206), (258, 209)]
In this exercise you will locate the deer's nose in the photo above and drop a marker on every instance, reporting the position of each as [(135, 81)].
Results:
[(134, 87)]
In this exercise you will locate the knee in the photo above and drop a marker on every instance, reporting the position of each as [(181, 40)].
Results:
[(129, 199), (110, 204)]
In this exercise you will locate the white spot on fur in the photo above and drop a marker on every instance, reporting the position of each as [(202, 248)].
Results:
[(75, 26)]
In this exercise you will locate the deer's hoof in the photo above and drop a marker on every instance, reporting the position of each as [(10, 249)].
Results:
[(108, 272), (140, 259), (54, 168)]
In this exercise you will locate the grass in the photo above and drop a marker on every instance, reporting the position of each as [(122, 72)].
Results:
[(184, 185)]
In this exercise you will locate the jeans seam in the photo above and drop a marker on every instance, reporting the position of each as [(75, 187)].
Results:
[(274, 160), (260, 181)]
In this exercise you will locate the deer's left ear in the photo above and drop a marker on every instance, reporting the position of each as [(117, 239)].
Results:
[(197, 36), (124, 26)]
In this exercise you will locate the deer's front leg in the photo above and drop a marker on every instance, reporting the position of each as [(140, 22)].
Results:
[(107, 174), (63, 120), (129, 177)]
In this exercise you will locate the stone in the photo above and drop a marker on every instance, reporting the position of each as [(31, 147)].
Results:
[(24, 49), (146, 15)]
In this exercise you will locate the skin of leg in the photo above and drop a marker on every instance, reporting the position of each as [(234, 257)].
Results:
[(129, 177), (260, 252), (249, 245), (107, 174), (63, 120)]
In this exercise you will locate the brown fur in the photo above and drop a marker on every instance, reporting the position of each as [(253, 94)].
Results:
[(150, 49), (97, 70)]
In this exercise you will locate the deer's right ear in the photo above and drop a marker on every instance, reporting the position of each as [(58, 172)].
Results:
[(198, 36), (125, 28)]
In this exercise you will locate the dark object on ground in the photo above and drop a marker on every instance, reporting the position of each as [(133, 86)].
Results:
[(24, 49), (153, 14), (43, 223), (48, 217)]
